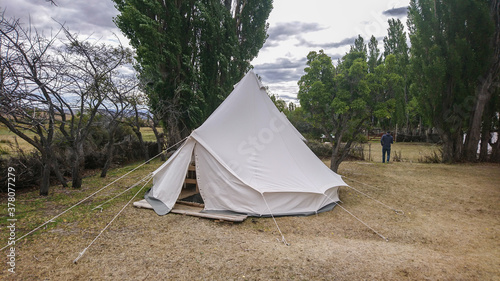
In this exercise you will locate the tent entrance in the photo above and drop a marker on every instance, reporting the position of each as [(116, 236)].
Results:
[(190, 192)]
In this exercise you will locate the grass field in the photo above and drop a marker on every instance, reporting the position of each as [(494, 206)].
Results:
[(402, 152), (9, 141), (449, 231)]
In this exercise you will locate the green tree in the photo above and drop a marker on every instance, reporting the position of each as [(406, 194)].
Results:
[(450, 50), (279, 103), (359, 45), (374, 58), (395, 42), (191, 53), (395, 45), (386, 87), (487, 90), (338, 101)]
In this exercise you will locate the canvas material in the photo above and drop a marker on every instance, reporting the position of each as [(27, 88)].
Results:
[(169, 178), (247, 151), (247, 133)]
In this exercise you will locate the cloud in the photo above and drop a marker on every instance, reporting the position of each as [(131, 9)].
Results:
[(281, 70), (88, 15), (336, 57), (332, 45), (396, 12), (83, 17), (288, 98), (286, 30)]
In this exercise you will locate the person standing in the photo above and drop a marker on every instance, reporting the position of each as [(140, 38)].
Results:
[(386, 142)]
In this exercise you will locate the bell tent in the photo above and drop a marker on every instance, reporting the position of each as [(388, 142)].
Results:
[(247, 158)]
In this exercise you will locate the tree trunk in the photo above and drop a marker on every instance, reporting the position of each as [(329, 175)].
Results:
[(144, 149), (59, 176), (159, 140), (77, 165), (109, 155), (335, 161), (45, 180), (452, 145), (485, 88), (173, 134), (458, 146), (495, 153), (336, 158), (485, 140), (447, 155), (176, 130), (473, 135)]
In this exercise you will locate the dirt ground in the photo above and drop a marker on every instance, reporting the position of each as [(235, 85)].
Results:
[(449, 231)]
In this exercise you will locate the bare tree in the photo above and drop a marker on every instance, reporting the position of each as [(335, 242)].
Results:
[(90, 72), (155, 115), (136, 119), (160, 137), (30, 83), (116, 107)]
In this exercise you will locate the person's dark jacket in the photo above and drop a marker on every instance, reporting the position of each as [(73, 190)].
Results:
[(386, 141)]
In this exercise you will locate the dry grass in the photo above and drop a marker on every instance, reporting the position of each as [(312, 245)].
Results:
[(449, 231), (9, 142), (407, 151)]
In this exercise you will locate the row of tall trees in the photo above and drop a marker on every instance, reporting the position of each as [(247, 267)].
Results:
[(455, 67), (448, 80), (191, 53)]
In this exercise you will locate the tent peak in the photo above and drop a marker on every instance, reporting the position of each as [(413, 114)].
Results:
[(251, 73)]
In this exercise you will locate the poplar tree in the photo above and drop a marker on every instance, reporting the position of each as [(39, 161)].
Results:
[(191, 53), (395, 44), (450, 50)]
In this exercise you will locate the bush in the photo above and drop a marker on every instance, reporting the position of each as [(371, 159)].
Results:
[(357, 152), (29, 166), (131, 151), (434, 157), (322, 150), (28, 170)]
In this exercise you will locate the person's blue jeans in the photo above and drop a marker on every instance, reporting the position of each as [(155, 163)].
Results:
[(384, 151)]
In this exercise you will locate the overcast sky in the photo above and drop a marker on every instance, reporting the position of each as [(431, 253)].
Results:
[(295, 28)]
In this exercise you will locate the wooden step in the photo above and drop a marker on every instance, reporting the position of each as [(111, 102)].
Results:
[(192, 181)]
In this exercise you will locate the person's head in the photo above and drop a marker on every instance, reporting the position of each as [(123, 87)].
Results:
[(388, 132)]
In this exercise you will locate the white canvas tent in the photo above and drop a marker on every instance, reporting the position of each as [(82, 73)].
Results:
[(249, 159)]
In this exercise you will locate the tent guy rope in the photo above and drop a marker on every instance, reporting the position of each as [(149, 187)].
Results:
[(121, 193), (376, 232), (365, 224), (283, 240), (372, 186), (91, 195), (399, 212), (106, 227)]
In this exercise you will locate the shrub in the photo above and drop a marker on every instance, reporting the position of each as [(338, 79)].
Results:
[(28, 170), (357, 152), (434, 157), (322, 150)]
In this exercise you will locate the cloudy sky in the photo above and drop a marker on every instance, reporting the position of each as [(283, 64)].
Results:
[(295, 28)]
